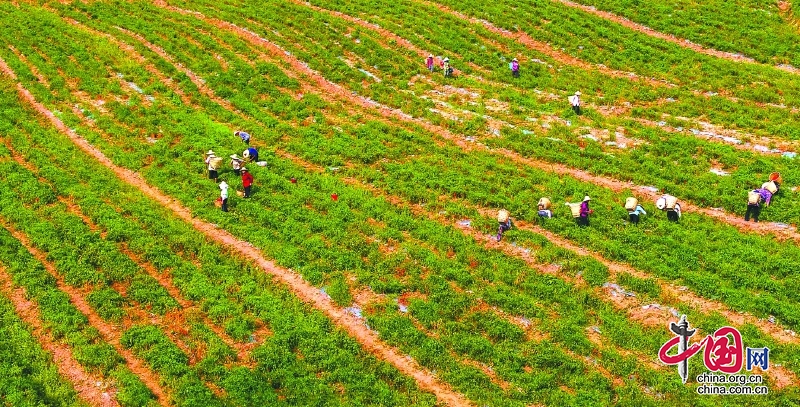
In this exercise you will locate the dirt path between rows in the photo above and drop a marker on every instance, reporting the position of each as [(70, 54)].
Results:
[(91, 388), (369, 339), (669, 37), (242, 350), (548, 50), (776, 331), (107, 332), (615, 185), (173, 62), (671, 294), (720, 135)]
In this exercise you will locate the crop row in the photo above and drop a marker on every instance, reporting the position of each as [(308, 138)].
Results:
[(691, 157), (30, 374), (308, 141), (284, 181), (759, 30), (216, 278)]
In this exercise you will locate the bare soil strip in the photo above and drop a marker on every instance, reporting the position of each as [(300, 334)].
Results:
[(90, 388), (369, 339), (670, 291), (108, 332), (669, 37), (328, 88), (548, 50), (759, 143), (242, 350)]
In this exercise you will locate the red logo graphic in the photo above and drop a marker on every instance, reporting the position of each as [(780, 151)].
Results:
[(724, 351)]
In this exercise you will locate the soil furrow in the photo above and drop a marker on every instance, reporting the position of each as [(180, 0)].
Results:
[(304, 290), (90, 388), (109, 333), (669, 37), (328, 88)]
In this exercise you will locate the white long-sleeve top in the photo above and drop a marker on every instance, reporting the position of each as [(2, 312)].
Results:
[(223, 188)]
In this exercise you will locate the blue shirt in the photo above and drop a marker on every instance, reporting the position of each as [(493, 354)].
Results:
[(244, 136)]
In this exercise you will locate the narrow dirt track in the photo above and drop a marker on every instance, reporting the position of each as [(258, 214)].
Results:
[(369, 339), (777, 332), (560, 169), (548, 50), (758, 146), (242, 350), (669, 37), (108, 332), (85, 384), (683, 295)]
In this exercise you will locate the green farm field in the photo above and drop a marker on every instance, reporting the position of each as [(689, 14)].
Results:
[(365, 269)]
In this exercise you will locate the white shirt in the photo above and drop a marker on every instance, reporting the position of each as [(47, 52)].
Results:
[(574, 100), (223, 187)]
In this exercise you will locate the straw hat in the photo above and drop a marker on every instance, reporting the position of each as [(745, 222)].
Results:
[(243, 169), (577, 93), (210, 152), (447, 59), (515, 59), (430, 55), (235, 157), (586, 198)]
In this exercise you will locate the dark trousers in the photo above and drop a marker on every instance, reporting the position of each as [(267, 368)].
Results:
[(237, 172), (247, 191), (504, 226), (753, 210), (515, 73), (634, 218), (212, 174), (582, 220), (577, 110), (225, 205), (672, 215)]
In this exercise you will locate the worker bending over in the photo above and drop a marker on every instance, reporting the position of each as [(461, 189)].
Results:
[(635, 210), (669, 204), (755, 199), (543, 208)]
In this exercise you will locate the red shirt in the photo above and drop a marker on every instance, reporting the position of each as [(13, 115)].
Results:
[(247, 179)]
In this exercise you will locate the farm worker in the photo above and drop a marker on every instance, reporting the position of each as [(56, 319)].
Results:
[(581, 211), (771, 186), (213, 162), (250, 155), (583, 219), (543, 208), (670, 204), (448, 70), (755, 199), (575, 101), (236, 163), (634, 210), (223, 194), (244, 136), (504, 219), (514, 67), (429, 62), (247, 182)]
